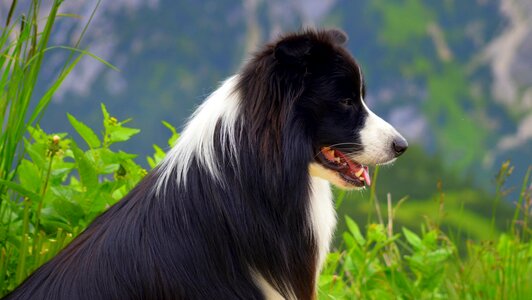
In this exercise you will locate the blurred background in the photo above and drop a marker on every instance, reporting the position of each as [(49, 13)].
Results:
[(454, 77)]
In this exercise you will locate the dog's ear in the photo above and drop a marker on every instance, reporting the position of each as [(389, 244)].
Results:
[(293, 50), (338, 36)]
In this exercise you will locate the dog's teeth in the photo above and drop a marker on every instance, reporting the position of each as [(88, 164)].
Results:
[(359, 173), (361, 178)]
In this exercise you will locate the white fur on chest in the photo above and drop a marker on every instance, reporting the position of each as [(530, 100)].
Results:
[(323, 218), (322, 215)]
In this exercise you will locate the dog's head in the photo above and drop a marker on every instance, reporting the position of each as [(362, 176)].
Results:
[(346, 136)]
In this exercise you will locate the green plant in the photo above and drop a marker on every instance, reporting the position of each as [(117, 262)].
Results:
[(382, 264), (23, 44), (373, 267), (61, 187), (20, 63), (24, 40)]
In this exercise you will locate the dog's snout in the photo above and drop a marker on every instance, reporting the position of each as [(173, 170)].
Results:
[(399, 145)]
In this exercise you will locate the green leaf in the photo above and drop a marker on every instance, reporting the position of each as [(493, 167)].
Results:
[(114, 130), (439, 255), (71, 211), (121, 134), (355, 230), (29, 176), (87, 172), (175, 135), (37, 153), (401, 283), (21, 190), (377, 233), (430, 239), (51, 220), (85, 132), (121, 155), (412, 239), (158, 156), (105, 114), (326, 280), (349, 241), (84, 52)]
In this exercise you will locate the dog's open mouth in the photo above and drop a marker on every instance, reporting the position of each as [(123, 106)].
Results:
[(349, 170)]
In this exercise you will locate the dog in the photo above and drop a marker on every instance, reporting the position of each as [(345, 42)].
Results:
[(241, 207)]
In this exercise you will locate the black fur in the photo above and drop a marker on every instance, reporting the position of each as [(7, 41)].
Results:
[(203, 239)]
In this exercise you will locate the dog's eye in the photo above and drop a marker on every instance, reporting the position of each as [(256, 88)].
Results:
[(347, 102)]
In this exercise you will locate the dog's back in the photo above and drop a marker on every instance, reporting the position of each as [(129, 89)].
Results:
[(125, 254)]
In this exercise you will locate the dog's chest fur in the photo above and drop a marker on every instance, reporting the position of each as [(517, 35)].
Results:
[(323, 216)]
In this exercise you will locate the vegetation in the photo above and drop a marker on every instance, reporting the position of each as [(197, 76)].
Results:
[(58, 190), (384, 264), (469, 245), (27, 173)]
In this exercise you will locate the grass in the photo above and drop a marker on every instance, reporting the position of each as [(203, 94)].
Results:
[(382, 263), (51, 188), (24, 40), (23, 45)]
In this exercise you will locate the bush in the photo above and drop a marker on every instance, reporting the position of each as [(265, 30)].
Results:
[(59, 189), (381, 264)]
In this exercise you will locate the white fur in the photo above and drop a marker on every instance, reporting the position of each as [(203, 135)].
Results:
[(323, 218), (197, 139), (267, 290), (322, 215), (377, 137)]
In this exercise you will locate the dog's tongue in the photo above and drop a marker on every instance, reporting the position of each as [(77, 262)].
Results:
[(367, 178), (357, 170)]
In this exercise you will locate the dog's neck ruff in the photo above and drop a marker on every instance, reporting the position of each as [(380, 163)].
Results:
[(220, 110)]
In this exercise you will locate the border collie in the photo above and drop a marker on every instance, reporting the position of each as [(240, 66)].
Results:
[(241, 207)]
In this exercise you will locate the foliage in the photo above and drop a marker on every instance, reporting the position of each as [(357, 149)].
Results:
[(20, 63), (59, 189), (382, 264), (28, 209), (372, 266)]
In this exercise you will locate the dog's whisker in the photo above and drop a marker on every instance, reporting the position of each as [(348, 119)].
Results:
[(341, 144)]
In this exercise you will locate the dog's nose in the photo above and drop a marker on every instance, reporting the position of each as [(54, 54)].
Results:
[(399, 146)]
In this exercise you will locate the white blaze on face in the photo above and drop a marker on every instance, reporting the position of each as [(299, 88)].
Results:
[(377, 137)]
